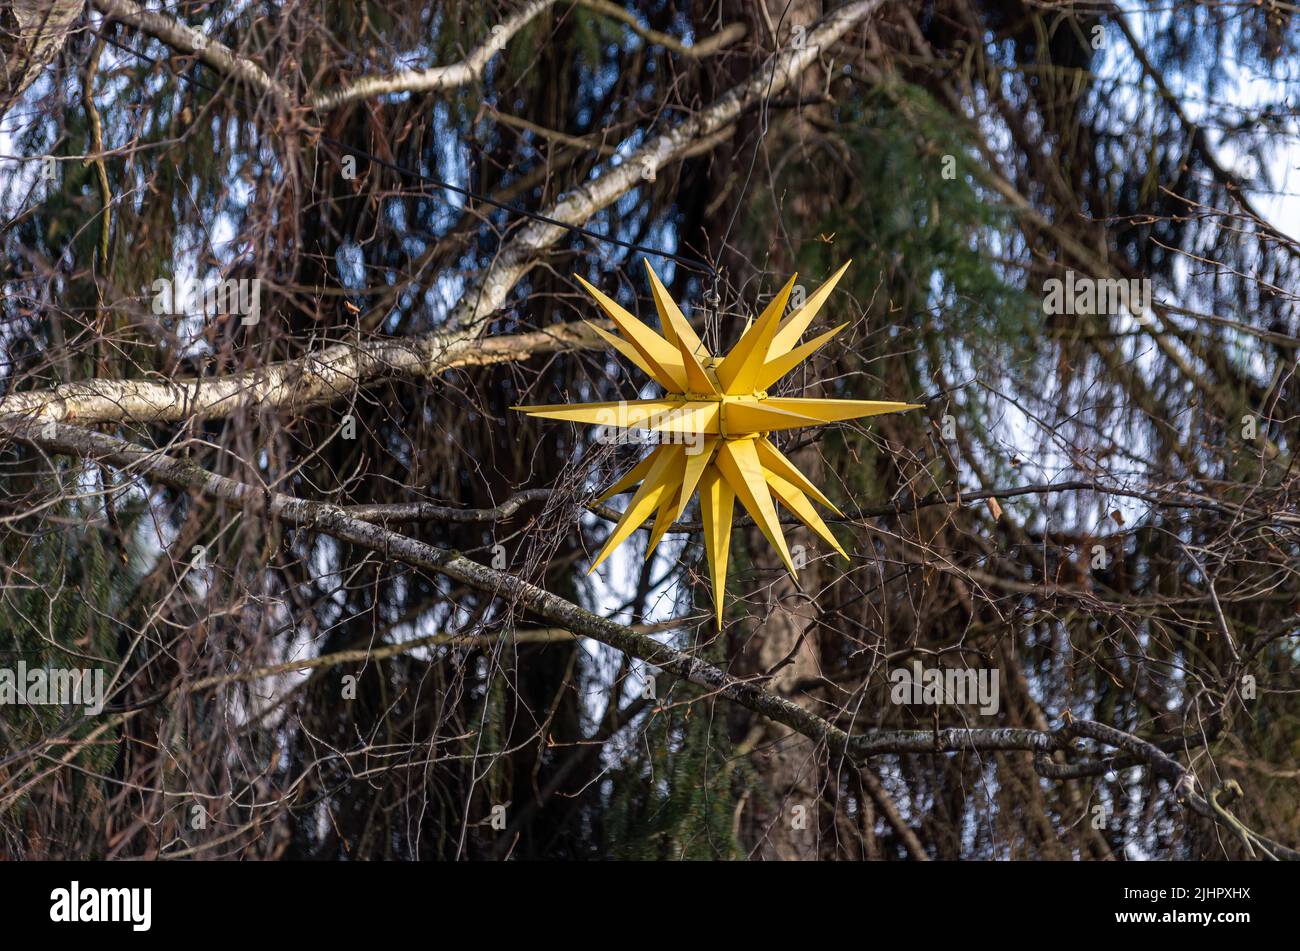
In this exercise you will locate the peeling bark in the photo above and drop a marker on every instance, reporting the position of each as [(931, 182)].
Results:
[(31, 34), (321, 377)]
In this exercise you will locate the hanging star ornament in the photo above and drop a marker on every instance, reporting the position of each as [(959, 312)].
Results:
[(712, 424)]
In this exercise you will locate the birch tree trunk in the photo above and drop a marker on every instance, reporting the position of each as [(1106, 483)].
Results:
[(31, 34), (783, 821)]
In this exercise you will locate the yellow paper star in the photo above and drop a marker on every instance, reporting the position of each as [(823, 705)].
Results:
[(713, 424)]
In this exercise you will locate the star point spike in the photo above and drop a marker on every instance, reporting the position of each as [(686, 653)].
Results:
[(739, 370), (713, 423)]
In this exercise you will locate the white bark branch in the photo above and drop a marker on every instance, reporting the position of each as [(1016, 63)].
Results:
[(185, 38), (336, 371), (451, 76), (31, 34), (525, 250), (436, 78), (320, 377)]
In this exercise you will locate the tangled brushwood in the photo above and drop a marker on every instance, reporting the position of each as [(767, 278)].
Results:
[(296, 582)]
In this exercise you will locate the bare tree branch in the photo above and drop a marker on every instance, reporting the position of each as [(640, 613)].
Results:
[(187, 39), (325, 375), (434, 79), (336, 371), (335, 522), (31, 34), (729, 34), (525, 250)]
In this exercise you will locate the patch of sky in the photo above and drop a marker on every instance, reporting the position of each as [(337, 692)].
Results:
[(350, 262)]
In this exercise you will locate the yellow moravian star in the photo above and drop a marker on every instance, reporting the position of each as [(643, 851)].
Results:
[(713, 423)]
